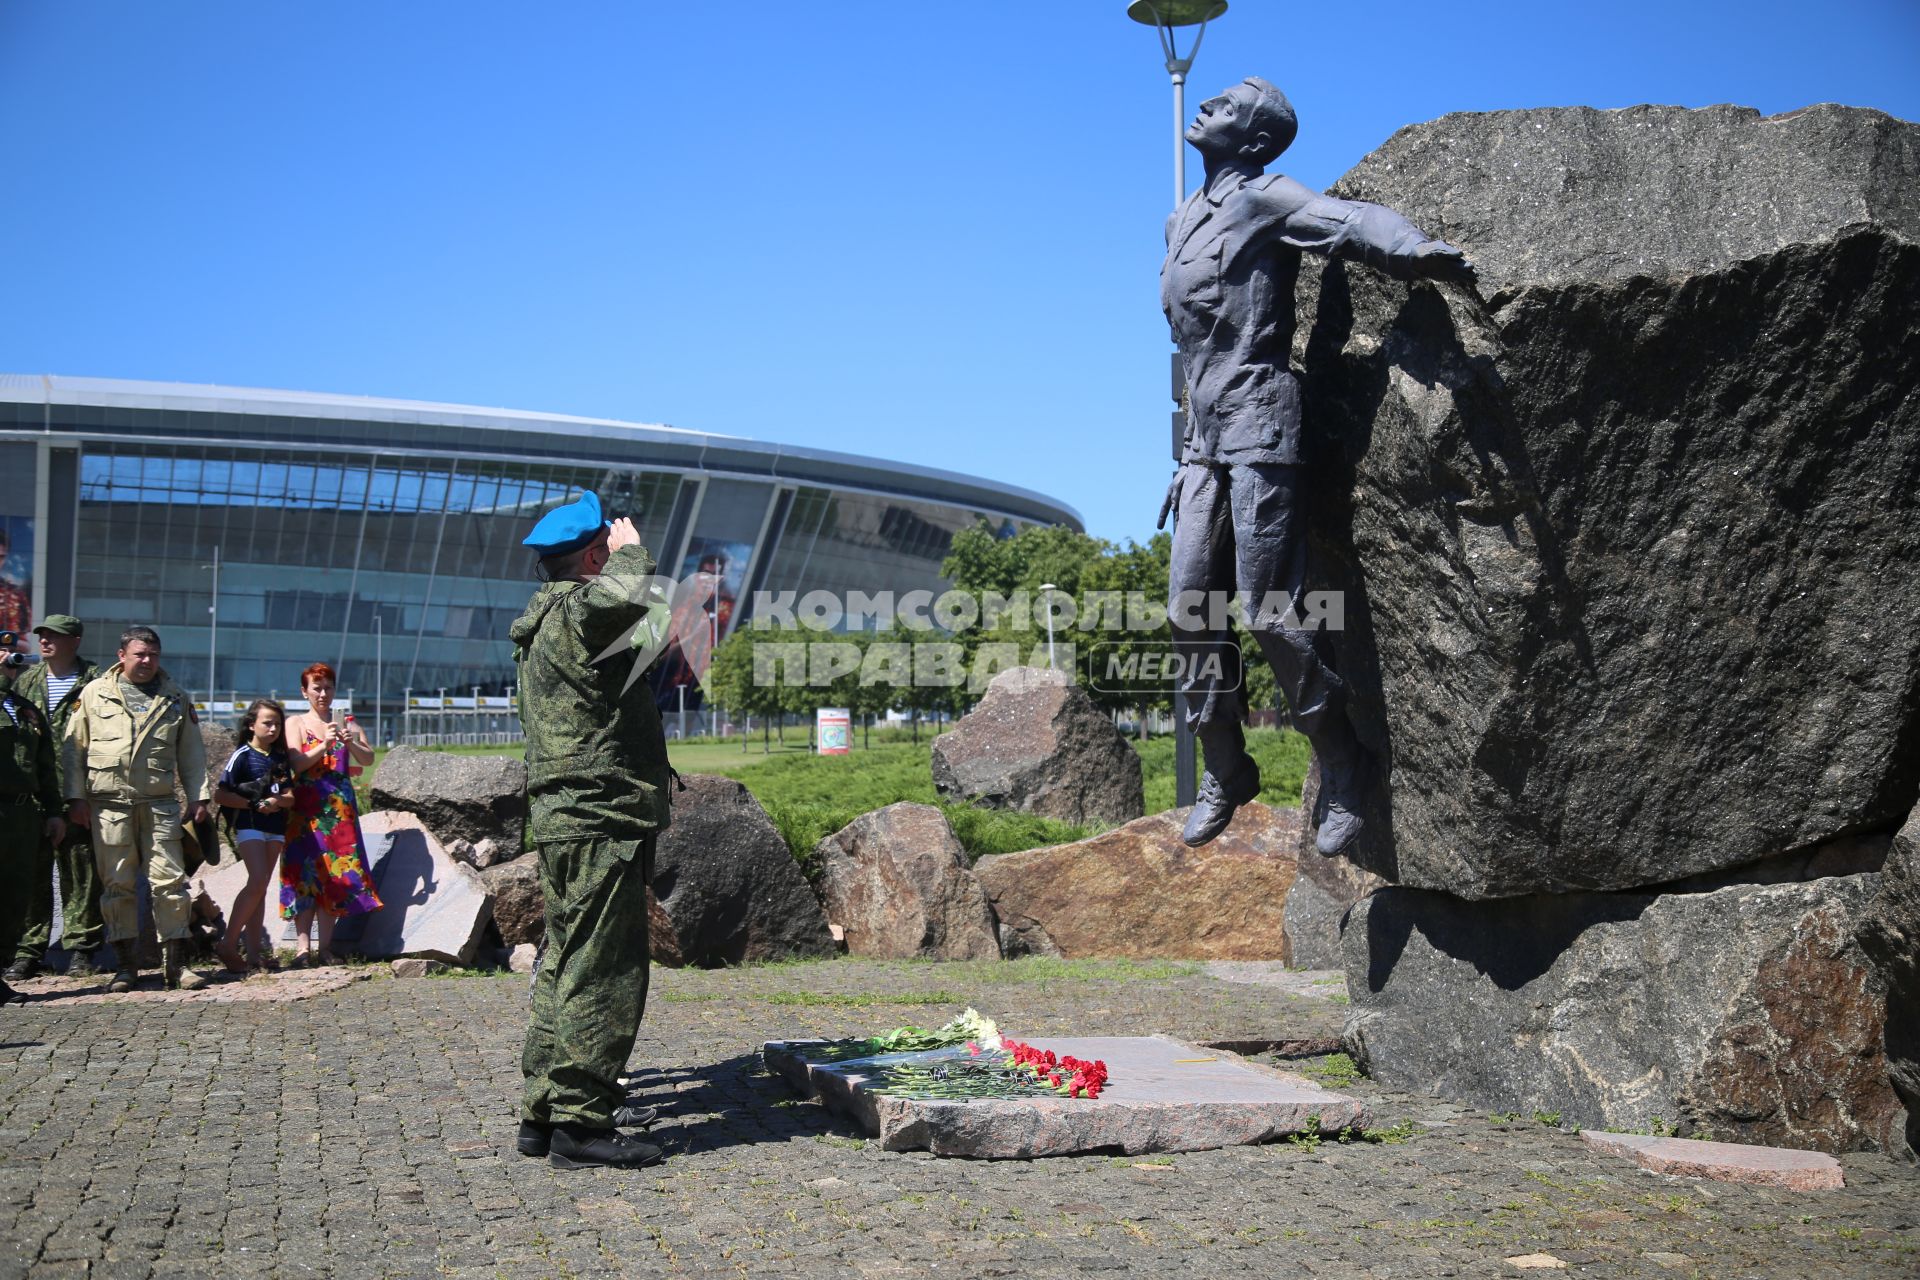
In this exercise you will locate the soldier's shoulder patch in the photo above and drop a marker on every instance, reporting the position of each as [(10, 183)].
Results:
[(186, 705)]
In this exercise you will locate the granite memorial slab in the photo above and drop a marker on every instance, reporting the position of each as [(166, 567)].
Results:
[(1162, 1095), (1754, 1166)]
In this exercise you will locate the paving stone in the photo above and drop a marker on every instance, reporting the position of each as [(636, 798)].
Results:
[(1723, 1161), (216, 1126)]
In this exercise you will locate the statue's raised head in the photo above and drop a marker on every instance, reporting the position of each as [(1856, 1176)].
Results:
[(1272, 115)]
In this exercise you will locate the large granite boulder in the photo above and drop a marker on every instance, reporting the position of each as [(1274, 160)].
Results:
[(726, 886), (433, 906), (519, 907), (1037, 744), (1323, 889), (461, 798), (1890, 935), (1750, 1013), (1627, 539), (1138, 892), (898, 883)]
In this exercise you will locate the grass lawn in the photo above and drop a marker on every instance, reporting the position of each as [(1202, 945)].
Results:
[(809, 796)]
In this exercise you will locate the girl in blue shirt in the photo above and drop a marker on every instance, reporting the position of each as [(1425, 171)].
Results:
[(256, 789)]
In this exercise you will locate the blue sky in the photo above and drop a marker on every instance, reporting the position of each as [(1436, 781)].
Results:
[(917, 231)]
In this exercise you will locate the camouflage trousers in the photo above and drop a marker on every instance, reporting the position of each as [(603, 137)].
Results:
[(592, 985), (81, 927)]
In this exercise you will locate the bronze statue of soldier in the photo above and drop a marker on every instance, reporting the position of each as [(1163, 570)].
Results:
[(1233, 252)]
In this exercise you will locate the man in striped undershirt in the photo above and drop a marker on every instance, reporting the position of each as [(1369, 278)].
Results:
[(53, 685)]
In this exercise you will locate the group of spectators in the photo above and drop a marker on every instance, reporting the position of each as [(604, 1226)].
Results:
[(90, 759)]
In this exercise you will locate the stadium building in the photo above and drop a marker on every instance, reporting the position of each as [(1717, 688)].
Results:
[(383, 536)]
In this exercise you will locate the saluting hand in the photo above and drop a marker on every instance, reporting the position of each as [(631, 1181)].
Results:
[(622, 534)]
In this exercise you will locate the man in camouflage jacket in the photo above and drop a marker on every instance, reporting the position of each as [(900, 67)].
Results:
[(82, 929), (597, 791), (30, 807)]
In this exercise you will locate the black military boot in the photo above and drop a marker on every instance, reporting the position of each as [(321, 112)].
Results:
[(575, 1146), (534, 1138), (125, 979), (22, 969)]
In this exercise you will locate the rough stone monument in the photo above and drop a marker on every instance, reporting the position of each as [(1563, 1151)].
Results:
[(1626, 542)]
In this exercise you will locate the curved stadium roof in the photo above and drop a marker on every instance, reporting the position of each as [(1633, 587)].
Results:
[(112, 408)]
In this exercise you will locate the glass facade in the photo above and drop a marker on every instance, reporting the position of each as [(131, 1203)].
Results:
[(411, 568)]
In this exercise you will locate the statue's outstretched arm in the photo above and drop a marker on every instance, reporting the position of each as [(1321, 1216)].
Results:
[(1360, 231)]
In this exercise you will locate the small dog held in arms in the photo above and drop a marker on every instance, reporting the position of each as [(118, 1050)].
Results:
[(278, 781)]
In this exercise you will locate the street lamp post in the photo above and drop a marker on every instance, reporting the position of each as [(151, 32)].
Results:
[(379, 672), (1166, 17), (1049, 588), (213, 626)]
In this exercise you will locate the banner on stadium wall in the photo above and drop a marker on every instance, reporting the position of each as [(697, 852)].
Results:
[(833, 730)]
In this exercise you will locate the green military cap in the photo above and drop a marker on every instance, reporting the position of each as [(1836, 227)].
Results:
[(61, 624)]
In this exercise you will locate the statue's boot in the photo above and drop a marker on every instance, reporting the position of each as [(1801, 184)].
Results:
[(1346, 773), (1231, 779)]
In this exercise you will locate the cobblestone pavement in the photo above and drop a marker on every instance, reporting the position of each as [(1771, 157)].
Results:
[(368, 1132)]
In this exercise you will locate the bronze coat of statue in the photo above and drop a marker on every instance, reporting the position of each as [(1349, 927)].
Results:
[(1233, 252)]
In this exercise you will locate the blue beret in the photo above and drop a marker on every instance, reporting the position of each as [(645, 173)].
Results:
[(567, 528)]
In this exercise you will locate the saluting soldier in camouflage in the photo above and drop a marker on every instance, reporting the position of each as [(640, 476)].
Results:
[(81, 928), (597, 783), (133, 732), (29, 807)]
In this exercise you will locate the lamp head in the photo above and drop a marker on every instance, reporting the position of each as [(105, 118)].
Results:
[(1175, 13)]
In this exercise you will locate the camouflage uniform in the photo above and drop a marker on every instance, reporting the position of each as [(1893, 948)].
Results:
[(81, 931), (122, 760), (597, 796), (29, 795)]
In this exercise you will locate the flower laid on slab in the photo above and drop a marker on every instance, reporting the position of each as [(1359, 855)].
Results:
[(1075, 1077), (995, 1066), (971, 1027)]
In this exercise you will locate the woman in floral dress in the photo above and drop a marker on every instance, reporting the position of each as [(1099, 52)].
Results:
[(324, 865)]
